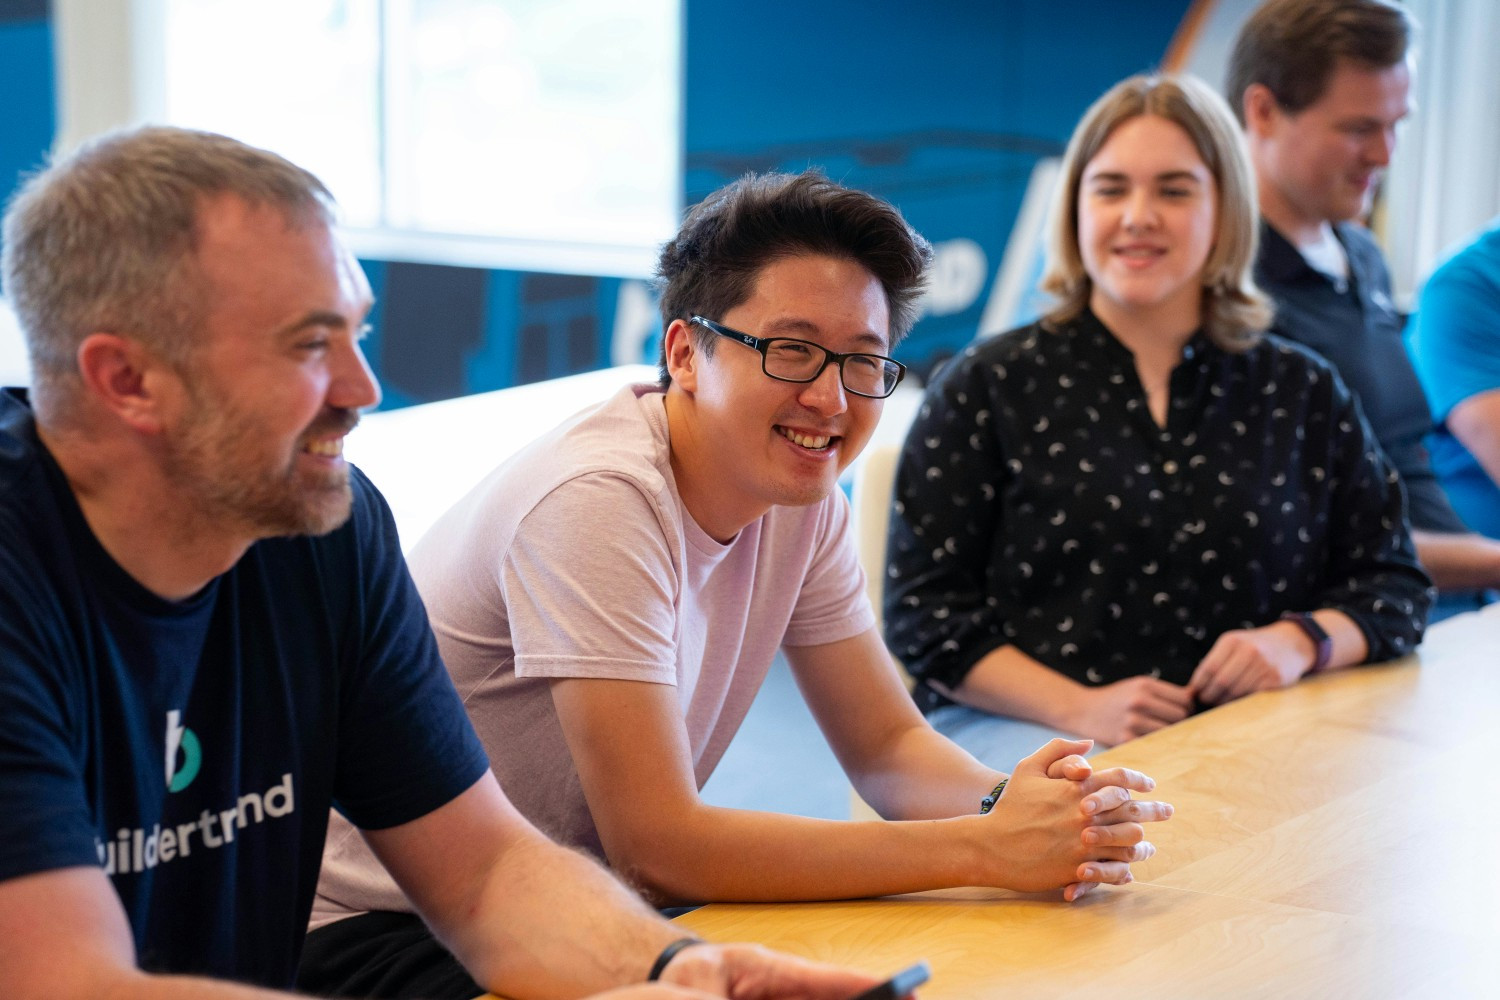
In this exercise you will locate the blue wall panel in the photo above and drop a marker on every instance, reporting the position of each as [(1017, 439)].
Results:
[(942, 108), (29, 121)]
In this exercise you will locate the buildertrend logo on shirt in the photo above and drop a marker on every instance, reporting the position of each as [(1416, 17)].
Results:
[(179, 737), (138, 849)]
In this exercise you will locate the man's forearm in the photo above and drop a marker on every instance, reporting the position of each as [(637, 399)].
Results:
[(1459, 562), (135, 985), (1475, 422), (921, 774), (550, 922), (526, 917), (777, 857), (897, 762), (66, 937)]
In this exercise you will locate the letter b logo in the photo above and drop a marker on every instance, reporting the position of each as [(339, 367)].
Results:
[(183, 738)]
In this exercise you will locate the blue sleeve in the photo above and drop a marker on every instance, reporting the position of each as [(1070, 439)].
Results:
[(1455, 339), (45, 815), (405, 744), (44, 811)]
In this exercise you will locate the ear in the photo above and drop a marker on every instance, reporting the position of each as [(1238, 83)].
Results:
[(122, 376), (683, 355), (1261, 109)]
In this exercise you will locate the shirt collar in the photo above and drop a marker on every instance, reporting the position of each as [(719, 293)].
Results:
[(1279, 260), (1198, 347)]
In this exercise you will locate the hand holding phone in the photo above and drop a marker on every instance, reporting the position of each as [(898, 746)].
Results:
[(900, 985)]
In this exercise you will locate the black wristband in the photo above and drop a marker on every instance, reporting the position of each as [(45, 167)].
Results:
[(667, 954), (1322, 643)]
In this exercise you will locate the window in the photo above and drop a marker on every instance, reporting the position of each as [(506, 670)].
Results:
[(534, 134)]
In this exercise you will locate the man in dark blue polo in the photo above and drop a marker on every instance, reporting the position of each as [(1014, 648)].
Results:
[(1320, 86)]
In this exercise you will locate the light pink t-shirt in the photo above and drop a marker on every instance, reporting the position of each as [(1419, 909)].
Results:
[(577, 559)]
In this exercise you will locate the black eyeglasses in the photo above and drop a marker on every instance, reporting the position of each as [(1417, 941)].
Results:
[(790, 360)]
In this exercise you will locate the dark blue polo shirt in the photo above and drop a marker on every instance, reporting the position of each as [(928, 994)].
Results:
[(1358, 329)]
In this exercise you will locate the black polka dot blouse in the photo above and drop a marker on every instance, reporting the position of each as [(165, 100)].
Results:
[(1038, 504)]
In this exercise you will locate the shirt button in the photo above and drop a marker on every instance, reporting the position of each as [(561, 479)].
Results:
[(1169, 467)]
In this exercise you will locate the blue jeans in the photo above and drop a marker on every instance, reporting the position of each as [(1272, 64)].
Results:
[(997, 741)]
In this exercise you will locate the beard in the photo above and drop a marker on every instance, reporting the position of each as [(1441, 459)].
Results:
[(228, 473)]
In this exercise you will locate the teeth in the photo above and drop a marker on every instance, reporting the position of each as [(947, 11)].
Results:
[(326, 448), (805, 441)]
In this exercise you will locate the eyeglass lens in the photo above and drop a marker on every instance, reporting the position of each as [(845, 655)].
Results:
[(862, 373)]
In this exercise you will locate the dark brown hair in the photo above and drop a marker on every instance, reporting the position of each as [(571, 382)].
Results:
[(1292, 47), (712, 264)]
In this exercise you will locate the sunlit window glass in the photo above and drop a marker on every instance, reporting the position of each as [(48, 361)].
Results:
[(297, 76), (555, 121), (536, 119)]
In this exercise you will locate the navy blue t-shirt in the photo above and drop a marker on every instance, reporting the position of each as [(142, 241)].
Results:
[(193, 749)]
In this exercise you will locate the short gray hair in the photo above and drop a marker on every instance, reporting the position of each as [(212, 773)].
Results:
[(103, 240)]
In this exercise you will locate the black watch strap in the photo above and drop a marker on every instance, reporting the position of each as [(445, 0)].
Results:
[(1320, 638), (667, 954), (988, 802)]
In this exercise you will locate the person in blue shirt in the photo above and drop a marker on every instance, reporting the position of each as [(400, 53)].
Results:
[(1455, 343), (207, 632)]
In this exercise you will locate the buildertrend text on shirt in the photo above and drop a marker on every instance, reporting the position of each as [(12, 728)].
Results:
[(136, 850)]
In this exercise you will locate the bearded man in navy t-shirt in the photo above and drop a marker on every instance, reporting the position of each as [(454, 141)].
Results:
[(207, 632)]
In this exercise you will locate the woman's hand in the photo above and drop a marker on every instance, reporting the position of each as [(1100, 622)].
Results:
[(1244, 661), (1126, 709)]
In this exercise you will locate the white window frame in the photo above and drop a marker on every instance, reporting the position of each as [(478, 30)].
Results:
[(110, 74)]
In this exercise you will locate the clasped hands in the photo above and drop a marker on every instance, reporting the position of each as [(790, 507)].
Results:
[(1240, 662), (1076, 827)]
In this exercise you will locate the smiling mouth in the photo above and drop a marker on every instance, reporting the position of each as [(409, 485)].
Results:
[(324, 437), (325, 447), (812, 442)]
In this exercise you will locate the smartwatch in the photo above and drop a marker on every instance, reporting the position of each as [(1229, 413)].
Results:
[(1320, 639)]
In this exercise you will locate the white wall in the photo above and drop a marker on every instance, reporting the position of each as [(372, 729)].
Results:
[(14, 369)]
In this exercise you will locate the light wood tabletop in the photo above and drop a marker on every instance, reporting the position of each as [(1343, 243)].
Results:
[(1333, 839)]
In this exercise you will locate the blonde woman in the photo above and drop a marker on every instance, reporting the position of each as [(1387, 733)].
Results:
[(1141, 504)]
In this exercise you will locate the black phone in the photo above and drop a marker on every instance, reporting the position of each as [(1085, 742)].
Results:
[(900, 985)]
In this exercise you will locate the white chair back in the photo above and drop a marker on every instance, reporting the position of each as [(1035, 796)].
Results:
[(874, 481)]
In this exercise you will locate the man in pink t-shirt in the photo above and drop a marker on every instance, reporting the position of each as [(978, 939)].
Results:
[(609, 601)]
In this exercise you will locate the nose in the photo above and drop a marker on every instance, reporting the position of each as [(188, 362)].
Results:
[(825, 394), (1382, 147), (1139, 211), (353, 386)]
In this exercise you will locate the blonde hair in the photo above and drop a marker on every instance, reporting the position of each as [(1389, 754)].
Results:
[(1235, 311)]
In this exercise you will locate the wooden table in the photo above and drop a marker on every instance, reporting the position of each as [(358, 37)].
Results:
[(1337, 839)]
